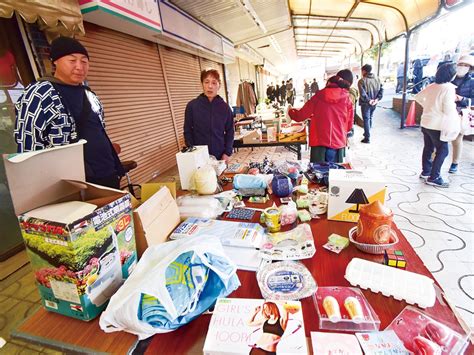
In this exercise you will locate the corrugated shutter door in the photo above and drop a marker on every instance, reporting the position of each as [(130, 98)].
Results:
[(183, 74), (126, 74), (209, 64)]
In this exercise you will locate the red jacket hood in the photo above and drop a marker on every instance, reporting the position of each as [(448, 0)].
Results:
[(332, 94)]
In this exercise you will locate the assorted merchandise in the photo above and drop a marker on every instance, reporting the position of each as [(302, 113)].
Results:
[(319, 172), (372, 248), (241, 213), (375, 224), (189, 161), (282, 186), (243, 326), (286, 280), (421, 334), (246, 181), (272, 219), (344, 309), (304, 216), (335, 343), (394, 258), (295, 244), (351, 189), (204, 180), (259, 199), (381, 343), (238, 234), (199, 207), (402, 285), (336, 243), (151, 301), (289, 213)]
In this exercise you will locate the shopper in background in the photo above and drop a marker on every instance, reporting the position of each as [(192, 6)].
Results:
[(438, 104), (282, 93), (290, 92), (277, 93), (353, 95), (314, 87), (306, 91), (331, 117), (417, 76), (400, 76), (464, 82), (60, 110), (208, 119), (371, 92)]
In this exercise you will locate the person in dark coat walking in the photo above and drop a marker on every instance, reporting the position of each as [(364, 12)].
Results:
[(371, 92), (314, 87), (208, 119), (282, 93)]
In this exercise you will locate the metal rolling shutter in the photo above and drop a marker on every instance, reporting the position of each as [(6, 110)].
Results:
[(127, 75), (183, 75), (209, 64)]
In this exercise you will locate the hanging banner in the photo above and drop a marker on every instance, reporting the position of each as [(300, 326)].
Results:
[(142, 17)]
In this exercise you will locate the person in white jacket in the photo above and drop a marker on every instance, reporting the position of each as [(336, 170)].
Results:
[(438, 101)]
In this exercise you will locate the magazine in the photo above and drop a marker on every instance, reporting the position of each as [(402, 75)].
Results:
[(248, 326)]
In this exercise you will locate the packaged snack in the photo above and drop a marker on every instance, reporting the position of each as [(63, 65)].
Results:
[(304, 216), (355, 312)]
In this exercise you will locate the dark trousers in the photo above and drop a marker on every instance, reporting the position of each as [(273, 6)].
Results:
[(367, 114), (433, 143), (399, 85), (110, 181)]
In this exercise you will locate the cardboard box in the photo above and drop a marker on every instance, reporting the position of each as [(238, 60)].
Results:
[(350, 189), (252, 137), (189, 162), (155, 219), (78, 265)]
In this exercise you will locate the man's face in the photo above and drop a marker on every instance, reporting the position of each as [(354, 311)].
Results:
[(210, 86), (72, 68), (364, 73)]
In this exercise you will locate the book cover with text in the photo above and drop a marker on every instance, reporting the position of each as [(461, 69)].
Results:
[(256, 326)]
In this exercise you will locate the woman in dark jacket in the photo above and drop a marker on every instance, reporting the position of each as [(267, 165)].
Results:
[(208, 119), (464, 82)]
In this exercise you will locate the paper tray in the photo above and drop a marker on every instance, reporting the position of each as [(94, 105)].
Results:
[(402, 285)]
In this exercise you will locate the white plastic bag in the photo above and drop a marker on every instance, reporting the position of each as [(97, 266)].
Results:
[(467, 121), (149, 278), (450, 127)]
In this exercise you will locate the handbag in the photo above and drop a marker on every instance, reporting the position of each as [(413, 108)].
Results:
[(467, 121)]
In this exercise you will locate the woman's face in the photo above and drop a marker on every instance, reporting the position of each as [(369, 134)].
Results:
[(210, 86)]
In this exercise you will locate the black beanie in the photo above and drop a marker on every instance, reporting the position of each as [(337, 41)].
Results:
[(346, 74), (62, 46)]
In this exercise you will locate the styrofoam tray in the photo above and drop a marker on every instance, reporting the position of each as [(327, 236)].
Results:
[(402, 285)]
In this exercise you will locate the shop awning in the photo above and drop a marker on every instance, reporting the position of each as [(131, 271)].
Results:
[(61, 16), (364, 22)]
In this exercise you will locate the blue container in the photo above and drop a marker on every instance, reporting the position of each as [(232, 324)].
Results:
[(282, 186)]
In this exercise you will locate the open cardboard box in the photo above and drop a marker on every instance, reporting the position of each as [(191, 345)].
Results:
[(78, 265)]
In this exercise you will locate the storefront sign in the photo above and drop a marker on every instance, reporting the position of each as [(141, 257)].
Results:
[(142, 16)]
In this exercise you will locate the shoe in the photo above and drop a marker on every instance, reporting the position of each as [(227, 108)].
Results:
[(365, 140), (424, 177), (437, 182), (453, 168)]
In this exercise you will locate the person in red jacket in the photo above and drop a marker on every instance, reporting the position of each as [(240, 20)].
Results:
[(331, 114)]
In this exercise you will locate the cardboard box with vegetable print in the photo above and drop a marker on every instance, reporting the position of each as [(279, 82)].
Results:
[(79, 236)]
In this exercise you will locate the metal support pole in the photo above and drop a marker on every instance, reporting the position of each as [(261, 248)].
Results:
[(361, 59), (405, 80), (379, 55)]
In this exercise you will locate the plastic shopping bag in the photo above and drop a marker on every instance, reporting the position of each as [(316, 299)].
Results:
[(172, 284), (467, 121)]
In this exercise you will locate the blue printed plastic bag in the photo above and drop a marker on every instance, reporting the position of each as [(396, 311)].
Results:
[(172, 284)]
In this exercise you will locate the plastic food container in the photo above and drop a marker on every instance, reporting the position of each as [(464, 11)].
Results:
[(372, 248), (422, 334), (401, 284), (344, 318), (286, 280)]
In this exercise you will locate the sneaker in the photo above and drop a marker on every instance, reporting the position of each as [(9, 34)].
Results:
[(365, 140), (437, 182), (424, 177), (453, 168)]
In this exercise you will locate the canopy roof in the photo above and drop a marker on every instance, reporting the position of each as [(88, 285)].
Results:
[(62, 16), (365, 22)]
